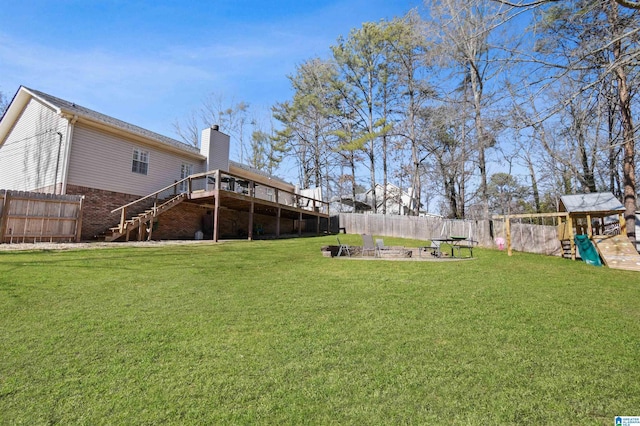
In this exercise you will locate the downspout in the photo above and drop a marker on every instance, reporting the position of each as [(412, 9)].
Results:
[(71, 121), (55, 176)]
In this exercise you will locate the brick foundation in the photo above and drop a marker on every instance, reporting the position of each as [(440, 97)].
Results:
[(234, 224), (96, 211), (179, 223)]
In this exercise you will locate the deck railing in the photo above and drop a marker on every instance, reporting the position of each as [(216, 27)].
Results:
[(225, 181)]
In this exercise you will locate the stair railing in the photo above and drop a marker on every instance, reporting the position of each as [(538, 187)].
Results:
[(154, 195)]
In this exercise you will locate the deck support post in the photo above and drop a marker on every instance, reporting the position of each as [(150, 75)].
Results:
[(217, 184), (216, 211), (150, 228), (300, 224), (250, 230), (140, 230), (315, 209), (278, 222)]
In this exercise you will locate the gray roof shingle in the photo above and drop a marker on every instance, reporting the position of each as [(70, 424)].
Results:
[(111, 121), (593, 202)]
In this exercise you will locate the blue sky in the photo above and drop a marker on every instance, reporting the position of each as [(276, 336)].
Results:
[(152, 62)]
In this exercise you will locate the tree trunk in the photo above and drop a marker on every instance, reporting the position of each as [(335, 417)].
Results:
[(385, 172), (534, 187), (352, 163), (624, 99), (587, 171), (450, 186), (476, 87)]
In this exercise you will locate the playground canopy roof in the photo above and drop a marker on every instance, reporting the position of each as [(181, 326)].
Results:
[(597, 202)]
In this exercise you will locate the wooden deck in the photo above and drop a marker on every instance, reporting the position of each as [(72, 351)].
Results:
[(617, 252), (242, 202), (217, 190)]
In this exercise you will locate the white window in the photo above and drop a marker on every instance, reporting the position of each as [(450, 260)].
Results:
[(185, 171), (140, 161)]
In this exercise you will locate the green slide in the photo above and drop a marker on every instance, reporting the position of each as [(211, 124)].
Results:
[(587, 250)]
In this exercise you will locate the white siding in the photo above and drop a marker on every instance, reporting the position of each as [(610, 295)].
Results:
[(30, 153), (103, 161)]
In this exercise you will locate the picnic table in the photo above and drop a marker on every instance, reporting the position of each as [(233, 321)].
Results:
[(456, 243)]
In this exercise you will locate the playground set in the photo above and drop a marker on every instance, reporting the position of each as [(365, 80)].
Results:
[(591, 227)]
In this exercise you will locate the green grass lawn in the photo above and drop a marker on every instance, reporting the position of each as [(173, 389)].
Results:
[(271, 332)]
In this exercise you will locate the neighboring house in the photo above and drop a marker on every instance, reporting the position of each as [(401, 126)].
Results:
[(398, 201), (51, 145)]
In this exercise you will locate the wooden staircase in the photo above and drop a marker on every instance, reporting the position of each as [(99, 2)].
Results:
[(143, 222), (566, 249)]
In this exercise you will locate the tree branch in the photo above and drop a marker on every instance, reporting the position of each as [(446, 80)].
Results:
[(533, 3), (629, 4)]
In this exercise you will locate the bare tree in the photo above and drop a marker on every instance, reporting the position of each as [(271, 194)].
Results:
[(188, 129), (630, 4), (361, 59), (232, 117), (307, 120), (4, 103), (462, 30), (447, 145), (408, 54), (595, 43)]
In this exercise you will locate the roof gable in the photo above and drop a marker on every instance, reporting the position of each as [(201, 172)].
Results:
[(63, 107)]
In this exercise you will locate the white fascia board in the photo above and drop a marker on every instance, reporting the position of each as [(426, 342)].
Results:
[(11, 115)]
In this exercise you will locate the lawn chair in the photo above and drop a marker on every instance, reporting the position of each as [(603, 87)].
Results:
[(343, 248), (435, 248), (367, 245), (390, 251)]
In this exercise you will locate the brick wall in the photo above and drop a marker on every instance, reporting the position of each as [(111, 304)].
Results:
[(96, 211), (179, 223)]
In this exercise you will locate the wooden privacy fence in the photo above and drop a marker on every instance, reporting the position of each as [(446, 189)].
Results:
[(528, 237), (27, 217), (417, 227), (524, 237)]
